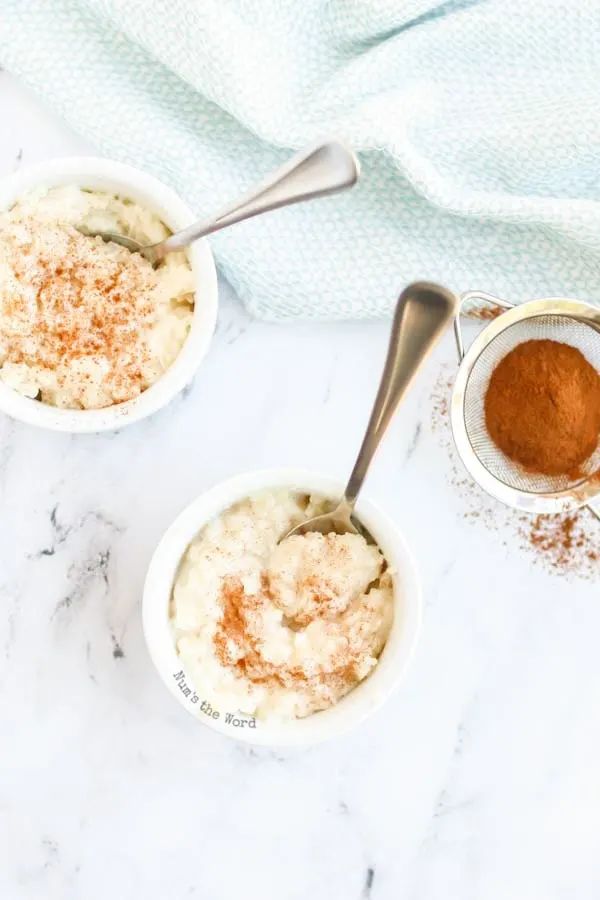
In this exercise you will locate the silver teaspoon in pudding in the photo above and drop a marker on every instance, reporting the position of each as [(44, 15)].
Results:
[(422, 313), (315, 172)]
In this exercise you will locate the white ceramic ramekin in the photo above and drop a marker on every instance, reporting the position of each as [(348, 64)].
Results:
[(361, 701), (106, 175)]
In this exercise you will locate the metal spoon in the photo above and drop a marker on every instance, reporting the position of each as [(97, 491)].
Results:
[(315, 172), (422, 313)]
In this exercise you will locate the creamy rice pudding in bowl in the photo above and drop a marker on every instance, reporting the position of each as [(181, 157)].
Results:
[(275, 641), (91, 336)]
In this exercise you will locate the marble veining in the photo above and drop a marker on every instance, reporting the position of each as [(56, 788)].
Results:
[(479, 779)]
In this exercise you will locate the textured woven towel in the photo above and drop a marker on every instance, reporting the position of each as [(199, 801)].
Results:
[(478, 126)]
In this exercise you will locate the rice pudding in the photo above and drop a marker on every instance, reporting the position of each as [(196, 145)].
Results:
[(279, 630), (86, 324)]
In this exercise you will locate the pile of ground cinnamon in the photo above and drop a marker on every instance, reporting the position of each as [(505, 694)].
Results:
[(542, 407)]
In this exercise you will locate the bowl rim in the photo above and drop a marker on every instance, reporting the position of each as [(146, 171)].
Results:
[(561, 501), (100, 173), (366, 697)]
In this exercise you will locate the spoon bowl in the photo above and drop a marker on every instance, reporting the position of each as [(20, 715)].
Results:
[(338, 521), (112, 237)]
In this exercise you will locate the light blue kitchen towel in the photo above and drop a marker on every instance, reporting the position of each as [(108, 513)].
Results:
[(477, 124)]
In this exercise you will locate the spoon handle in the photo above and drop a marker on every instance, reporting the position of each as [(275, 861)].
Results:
[(422, 313), (315, 172)]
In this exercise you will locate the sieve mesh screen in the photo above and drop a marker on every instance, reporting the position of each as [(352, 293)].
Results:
[(561, 328)]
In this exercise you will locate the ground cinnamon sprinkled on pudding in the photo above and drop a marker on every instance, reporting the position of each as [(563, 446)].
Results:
[(83, 323), (78, 305), (279, 629)]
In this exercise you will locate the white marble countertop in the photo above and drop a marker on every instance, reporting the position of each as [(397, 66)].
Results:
[(479, 779)]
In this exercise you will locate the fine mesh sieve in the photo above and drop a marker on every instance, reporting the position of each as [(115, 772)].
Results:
[(566, 321)]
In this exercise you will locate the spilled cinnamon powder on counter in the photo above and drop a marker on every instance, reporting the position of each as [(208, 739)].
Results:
[(562, 538), (565, 545), (440, 400)]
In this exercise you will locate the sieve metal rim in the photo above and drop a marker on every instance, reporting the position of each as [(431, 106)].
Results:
[(563, 501)]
